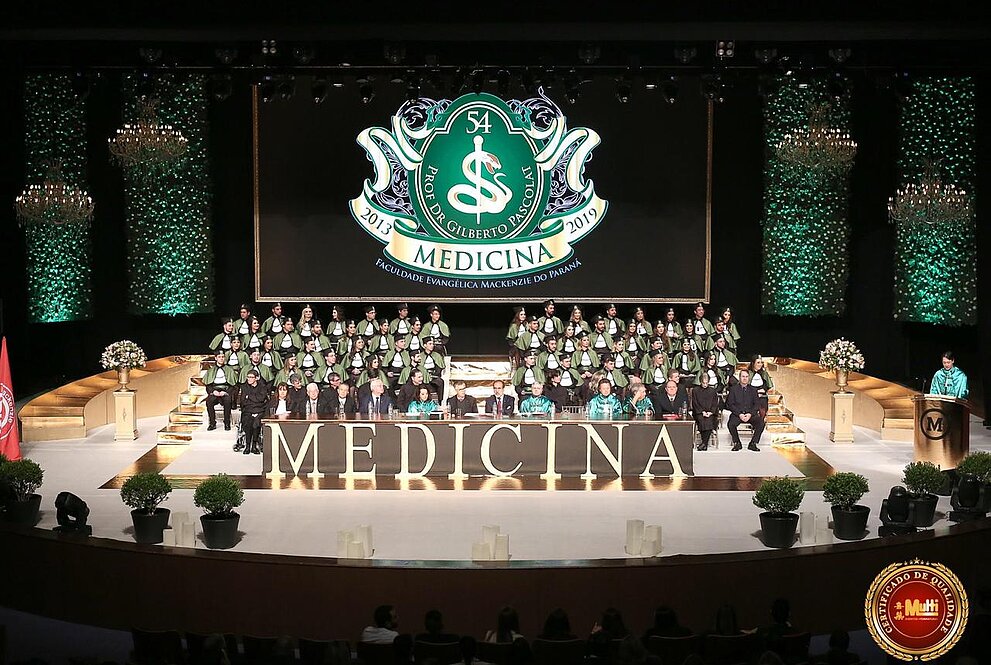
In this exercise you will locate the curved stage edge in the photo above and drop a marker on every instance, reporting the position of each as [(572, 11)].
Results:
[(120, 585)]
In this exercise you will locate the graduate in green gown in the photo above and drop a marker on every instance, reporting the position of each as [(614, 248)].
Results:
[(368, 327), (548, 357), (549, 324), (236, 357), (253, 340), (585, 360), (383, 341), (625, 362), (346, 343), (373, 370), (322, 341), (397, 361), (337, 325), (288, 342), (242, 325), (614, 324), (571, 380), (304, 322), (270, 357), (577, 319), (600, 339), (654, 374), (722, 332), (569, 342), (255, 363), (717, 378), (726, 360), (643, 327), (656, 343), (532, 338), (288, 370), (401, 325), (222, 340), (308, 360), (272, 326), (517, 326), (687, 363), (703, 326), (433, 362), (672, 328), (527, 374), (950, 379), (618, 379), (331, 365), (354, 361), (696, 342), (436, 329), (727, 317), (413, 342)]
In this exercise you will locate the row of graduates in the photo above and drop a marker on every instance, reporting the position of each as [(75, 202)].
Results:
[(288, 336), (528, 331)]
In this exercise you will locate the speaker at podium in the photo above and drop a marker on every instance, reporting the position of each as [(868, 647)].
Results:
[(942, 430)]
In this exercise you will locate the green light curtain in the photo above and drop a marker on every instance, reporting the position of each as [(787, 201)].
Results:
[(58, 255), (169, 225), (936, 266), (805, 224)]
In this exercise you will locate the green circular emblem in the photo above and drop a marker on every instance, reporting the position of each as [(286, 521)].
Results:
[(478, 179)]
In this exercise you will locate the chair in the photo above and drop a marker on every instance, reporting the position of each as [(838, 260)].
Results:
[(324, 652), (674, 650), (500, 653), (558, 652), (157, 647), (196, 648), (731, 649), (793, 649), (376, 654), (267, 650), (442, 653)]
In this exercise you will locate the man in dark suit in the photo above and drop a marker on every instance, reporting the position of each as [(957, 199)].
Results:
[(409, 390), (340, 403), (744, 407), (314, 404), (672, 401), (500, 404), (462, 402), (376, 402)]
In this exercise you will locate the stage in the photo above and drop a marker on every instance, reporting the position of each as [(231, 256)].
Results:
[(435, 520)]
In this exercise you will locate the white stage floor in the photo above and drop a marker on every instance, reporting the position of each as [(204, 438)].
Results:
[(441, 525)]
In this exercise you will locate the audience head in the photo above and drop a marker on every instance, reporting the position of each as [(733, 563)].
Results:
[(665, 619), (423, 394), (726, 621), (312, 390), (416, 377), (537, 389), (671, 388), (839, 640), (376, 386), (744, 377), (433, 622), (386, 617), (507, 623), (780, 610), (557, 625), (612, 623)]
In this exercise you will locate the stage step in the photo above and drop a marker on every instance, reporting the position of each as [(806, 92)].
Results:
[(785, 434), (177, 418), (188, 398), (192, 408), (177, 433)]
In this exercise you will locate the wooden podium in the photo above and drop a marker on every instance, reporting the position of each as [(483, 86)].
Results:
[(942, 430)]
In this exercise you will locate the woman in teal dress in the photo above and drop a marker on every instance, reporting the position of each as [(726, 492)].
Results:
[(950, 380), (638, 404), (422, 404), (604, 404)]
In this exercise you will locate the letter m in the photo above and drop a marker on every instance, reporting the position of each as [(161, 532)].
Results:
[(913, 608), (934, 424), (296, 462)]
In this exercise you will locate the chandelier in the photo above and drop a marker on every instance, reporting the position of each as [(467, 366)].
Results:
[(819, 148), (53, 201), (147, 146), (930, 201)]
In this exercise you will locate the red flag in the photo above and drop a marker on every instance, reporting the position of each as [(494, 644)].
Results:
[(10, 439)]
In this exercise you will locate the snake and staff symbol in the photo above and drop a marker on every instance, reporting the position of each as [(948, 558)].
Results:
[(485, 196)]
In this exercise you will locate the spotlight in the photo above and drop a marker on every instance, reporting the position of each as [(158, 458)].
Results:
[(269, 47), (221, 86), (71, 512), (225, 55), (669, 88), (765, 56), (287, 88), (623, 89), (266, 89), (839, 55), (478, 81), (588, 54), (502, 83), (685, 54), (303, 54), (713, 88), (725, 48), (650, 82), (366, 90), (149, 54), (394, 53), (319, 90)]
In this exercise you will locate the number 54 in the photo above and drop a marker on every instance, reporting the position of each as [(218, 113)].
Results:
[(478, 123)]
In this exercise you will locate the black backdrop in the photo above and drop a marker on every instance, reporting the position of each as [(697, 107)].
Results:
[(651, 167), (44, 355)]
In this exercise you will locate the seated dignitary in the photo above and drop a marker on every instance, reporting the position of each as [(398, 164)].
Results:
[(536, 402), (462, 402), (499, 404), (376, 402), (253, 398), (705, 409), (671, 402), (744, 407), (315, 404), (219, 382), (281, 405), (340, 401), (638, 404), (422, 404), (604, 404)]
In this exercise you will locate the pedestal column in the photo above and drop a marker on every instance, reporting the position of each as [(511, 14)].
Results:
[(125, 415), (841, 418)]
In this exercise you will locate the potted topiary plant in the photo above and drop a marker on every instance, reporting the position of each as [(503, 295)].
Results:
[(23, 477), (843, 491), (144, 492), (923, 480), (779, 498), (218, 496)]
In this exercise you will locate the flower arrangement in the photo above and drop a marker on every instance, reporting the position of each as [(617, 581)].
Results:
[(841, 354), (124, 354)]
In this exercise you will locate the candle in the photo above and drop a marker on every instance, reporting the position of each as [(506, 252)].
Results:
[(363, 534), (168, 537), (489, 533), (634, 536), (343, 539), (188, 535), (652, 535), (501, 551), (356, 550), (481, 552), (807, 528)]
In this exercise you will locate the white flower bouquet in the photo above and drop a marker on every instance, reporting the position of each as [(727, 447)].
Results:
[(841, 354), (123, 354)]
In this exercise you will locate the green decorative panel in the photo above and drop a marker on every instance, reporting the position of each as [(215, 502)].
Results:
[(169, 225), (936, 265), (805, 223), (59, 256)]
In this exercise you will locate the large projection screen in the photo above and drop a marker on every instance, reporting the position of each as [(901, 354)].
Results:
[(482, 205)]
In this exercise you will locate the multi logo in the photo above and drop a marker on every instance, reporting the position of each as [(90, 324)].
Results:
[(479, 187)]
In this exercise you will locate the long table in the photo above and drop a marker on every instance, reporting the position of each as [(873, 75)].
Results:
[(404, 448)]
